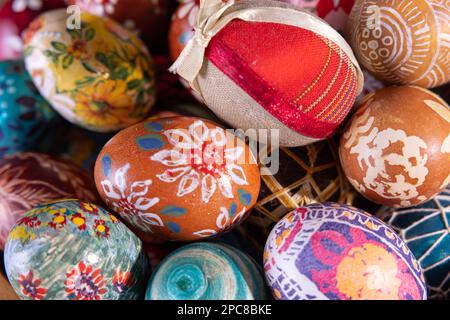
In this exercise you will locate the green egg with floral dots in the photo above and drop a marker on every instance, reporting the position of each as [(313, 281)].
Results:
[(73, 250)]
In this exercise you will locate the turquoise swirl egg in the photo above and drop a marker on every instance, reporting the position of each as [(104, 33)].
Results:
[(73, 250), (24, 114), (207, 271)]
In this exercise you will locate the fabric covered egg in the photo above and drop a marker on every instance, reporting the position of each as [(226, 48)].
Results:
[(207, 271), (425, 230), (146, 18), (396, 148), (402, 42), (269, 65), (295, 177), (337, 252), (24, 114), (179, 178), (15, 16), (100, 77), (29, 179), (72, 250)]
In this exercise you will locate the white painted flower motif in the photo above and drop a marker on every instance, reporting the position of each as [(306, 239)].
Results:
[(223, 222), (22, 5), (189, 9), (200, 159), (131, 203), (101, 7), (45, 81)]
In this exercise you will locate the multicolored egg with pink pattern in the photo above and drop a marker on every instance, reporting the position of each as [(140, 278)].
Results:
[(72, 250), (148, 19), (337, 252), (179, 178), (24, 115), (15, 16), (99, 76)]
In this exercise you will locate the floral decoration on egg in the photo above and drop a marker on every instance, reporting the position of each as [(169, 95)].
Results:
[(187, 178), (337, 252), (73, 250), (99, 77), (24, 115)]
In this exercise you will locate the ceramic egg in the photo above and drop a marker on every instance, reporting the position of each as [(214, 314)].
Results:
[(336, 252), (424, 229), (15, 16), (28, 179), (24, 115), (402, 42), (179, 178), (99, 77), (147, 18), (207, 271), (73, 250), (296, 74), (396, 148)]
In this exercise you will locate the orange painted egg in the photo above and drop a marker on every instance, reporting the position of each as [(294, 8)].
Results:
[(396, 148), (402, 42), (99, 76), (147, 18), (179, 178)]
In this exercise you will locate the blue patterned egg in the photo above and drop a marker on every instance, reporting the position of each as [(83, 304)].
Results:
[(425, 229), (75, 250), (24, 114), (207, 271)]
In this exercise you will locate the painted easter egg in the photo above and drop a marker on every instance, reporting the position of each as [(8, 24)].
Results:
[(99, 76), (15, 16), (392, 158), (6, 291), (29, 179), (207, 271), (253, 74), (294, 177), (72, 250), (24, 115), (335, 12), (425, 230), (337, 252), (179, 178), (402, 42), (146, 18)]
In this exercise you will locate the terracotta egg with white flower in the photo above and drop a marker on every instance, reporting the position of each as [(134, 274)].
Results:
[(178, 179), (97, 75)]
